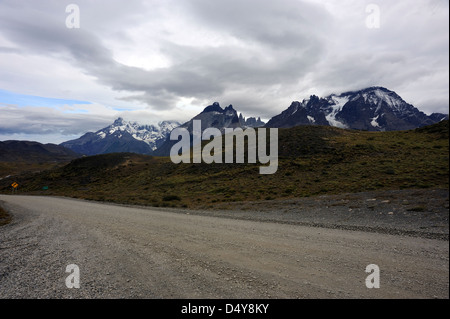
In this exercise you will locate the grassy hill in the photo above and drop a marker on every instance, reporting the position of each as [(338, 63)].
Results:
[(313, 160), (27, 156)]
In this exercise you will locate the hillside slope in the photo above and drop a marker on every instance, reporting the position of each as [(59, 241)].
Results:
[(28, 156), (313, 160), (32, 152)]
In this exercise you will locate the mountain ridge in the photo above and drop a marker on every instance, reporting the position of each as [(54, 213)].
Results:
[(122, 136), (372, 109), (213, 116), (31, 151), (18, 157)]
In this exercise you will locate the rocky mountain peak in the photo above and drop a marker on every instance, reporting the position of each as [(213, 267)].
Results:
[(373, 109), (123, 136)]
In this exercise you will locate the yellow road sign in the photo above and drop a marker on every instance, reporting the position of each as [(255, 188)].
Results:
[(14, 185)]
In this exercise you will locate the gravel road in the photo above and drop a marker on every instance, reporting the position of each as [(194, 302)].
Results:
[(133, 252)]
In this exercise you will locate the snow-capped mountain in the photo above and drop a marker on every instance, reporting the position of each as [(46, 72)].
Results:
[(214, 116), (372, 109), (251, 121), (153, 135), (123, 136)]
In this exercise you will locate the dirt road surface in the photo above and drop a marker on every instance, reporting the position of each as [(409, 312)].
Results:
[(131, 252)]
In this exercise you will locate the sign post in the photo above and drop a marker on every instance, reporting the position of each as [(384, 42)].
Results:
[(14, 187)]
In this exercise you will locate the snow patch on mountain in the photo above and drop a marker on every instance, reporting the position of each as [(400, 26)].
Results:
[(374, 122), (339, 102)]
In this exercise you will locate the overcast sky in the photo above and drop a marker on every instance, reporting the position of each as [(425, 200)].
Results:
[(149, 61)]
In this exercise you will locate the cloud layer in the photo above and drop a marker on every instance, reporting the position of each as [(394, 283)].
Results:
[(168, 59)]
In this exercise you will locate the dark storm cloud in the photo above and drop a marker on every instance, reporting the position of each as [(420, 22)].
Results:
[(284, 37), (278, 50), (282, 24)]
